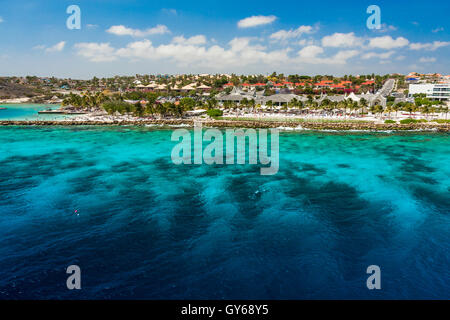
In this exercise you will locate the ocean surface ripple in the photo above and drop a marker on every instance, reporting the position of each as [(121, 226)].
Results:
[(148, 229)]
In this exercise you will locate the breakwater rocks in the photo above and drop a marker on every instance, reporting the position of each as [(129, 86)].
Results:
[(312, 125)]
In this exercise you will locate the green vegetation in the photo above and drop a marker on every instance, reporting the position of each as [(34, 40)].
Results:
[(86, 100), (187, 103), (163, 96), (390, 121), (421, 100), (441, 121), (214, 113), (118, 106), (408, 121)]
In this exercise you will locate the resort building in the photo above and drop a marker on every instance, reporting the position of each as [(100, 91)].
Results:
[(279, 99), (282, 99), (203, 87), (371, 99), (433, 91)]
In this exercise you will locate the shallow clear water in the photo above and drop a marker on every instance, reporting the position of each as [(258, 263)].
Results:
[(149, 229), (29, 112)]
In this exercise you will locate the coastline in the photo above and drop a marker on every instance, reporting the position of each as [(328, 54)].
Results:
[(338, 126)]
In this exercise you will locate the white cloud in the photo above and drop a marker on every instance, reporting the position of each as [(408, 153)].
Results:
[(170, 11), (342, 56), (1, 20), (289, 34), (239, 44), (312, 54), (195, 40), (384, 55), (39, 47), (437, 30), (337, 40), (57, 47), (238, 53), (255, 21), (92, 26), (121, 30), (385, 28), (96, 52), (305, 42), (427, 59), (432, 46), (387, 42)]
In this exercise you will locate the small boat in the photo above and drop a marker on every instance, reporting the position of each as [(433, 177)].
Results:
[(51, 111), (2, 108)]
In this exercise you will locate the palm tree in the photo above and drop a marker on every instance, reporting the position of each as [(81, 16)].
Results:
[(372, 109), (342, 105), (379, 110), (396, 107), (227, 105), (211, 103), (187, 104), (293, 103), (409, 107), (258, 108), (139, 109), (161, 109), (363, 104), (244, 102), (389, 109), (425, 110), (445, 109), (73, 100), (251, 103), (269, 104), (314, 105)]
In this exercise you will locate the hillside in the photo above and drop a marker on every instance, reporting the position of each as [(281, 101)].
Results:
[(10, 90)]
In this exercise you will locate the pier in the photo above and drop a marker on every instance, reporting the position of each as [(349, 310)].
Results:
[(338, 126)]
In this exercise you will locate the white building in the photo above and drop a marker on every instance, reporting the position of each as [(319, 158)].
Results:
[(434, 91)]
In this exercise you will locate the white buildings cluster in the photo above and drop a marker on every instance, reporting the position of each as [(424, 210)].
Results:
[(282, 99), (433, 91)]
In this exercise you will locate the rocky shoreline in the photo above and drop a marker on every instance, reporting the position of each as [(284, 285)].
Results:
[(345, 126)]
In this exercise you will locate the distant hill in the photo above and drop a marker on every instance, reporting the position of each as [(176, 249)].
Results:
[(14, 90)]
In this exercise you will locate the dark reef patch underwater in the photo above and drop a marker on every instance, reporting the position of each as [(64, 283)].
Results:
[(146, 228)]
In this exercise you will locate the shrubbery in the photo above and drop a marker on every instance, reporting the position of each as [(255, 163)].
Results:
[(408, 121), (213, 113), (118, 106), (390, 121)]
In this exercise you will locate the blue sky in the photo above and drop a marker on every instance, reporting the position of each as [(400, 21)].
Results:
[(244, 37)]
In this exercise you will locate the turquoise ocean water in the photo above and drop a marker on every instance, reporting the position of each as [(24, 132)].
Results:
[(150, 229), (29, 112)]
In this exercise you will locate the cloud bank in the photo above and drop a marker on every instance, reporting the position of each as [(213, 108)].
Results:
[(255, 21)]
